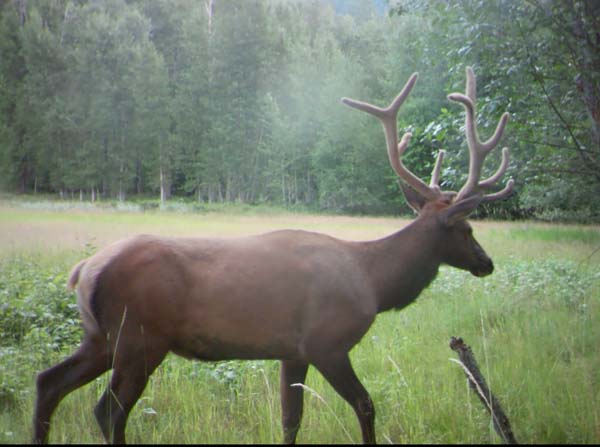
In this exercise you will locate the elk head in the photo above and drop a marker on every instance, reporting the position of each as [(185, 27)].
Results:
[(445, 212)]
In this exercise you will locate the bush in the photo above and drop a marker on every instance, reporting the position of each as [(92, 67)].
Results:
[(39, 320), (33, 298)]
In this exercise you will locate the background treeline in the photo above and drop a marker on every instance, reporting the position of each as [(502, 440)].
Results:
[(239, 100)]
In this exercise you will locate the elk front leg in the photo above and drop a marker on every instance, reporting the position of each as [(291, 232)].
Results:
[(292, 398), (338, 371)]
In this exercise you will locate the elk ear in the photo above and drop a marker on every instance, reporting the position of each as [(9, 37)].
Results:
[(415, 200), (460, 210)]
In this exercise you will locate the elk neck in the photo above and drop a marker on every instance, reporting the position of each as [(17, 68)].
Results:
[(401, 265)]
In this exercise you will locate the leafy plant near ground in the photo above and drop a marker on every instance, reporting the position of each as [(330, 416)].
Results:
[(38, 319), (34, 299)]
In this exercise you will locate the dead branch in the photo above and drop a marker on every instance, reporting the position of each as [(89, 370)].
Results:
[(479, 385)]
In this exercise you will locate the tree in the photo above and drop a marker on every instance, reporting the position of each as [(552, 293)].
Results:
[(238, 100)]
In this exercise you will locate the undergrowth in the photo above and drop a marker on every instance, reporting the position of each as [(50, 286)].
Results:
[(533, 326)]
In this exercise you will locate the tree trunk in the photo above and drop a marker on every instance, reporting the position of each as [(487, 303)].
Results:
[(578, 33), (589, 67), (210, 11), (138, 181), (164, 187), (228, 188), (283, 193), (121, 196), (22, 12)]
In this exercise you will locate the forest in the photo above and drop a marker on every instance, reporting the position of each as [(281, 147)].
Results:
[(239, 100)]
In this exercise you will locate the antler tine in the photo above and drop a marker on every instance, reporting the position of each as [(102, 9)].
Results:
[(478, 150), (446, 196), (485, 184), (388, 117), (503, 194), (435, 174)]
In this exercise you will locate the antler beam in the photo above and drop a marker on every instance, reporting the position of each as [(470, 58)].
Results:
[(478, 150), (388, 117)]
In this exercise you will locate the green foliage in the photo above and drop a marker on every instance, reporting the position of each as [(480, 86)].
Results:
[(38, 319), (533, 326), (35, 299), (241, 104)]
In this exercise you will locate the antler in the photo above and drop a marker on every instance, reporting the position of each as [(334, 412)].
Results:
[(388, 118), (478, 150)]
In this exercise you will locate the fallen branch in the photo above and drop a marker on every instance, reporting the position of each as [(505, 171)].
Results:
[(478, 384)]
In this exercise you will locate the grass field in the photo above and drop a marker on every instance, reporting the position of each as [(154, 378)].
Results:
[(534, 326)]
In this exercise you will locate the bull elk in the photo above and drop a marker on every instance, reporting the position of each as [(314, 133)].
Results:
[(299, 297)]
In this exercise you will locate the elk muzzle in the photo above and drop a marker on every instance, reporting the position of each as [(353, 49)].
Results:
[(484, 265), (486, 268)]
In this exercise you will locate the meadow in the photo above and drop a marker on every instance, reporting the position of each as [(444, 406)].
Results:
[(533, 325)]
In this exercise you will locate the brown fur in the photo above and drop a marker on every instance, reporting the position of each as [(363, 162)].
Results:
[(74, 275)]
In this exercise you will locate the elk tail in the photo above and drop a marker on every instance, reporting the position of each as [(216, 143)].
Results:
[(74, 275)]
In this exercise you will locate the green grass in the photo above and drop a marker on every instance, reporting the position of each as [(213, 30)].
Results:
[(533, 325), (558, 233)]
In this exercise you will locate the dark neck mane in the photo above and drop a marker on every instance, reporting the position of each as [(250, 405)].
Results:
[(402, 264)]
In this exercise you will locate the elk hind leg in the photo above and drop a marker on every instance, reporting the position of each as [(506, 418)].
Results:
[(291, 398), (130, 375), (53, 384)]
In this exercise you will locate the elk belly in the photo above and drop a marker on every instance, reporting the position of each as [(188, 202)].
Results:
[(213, 349)]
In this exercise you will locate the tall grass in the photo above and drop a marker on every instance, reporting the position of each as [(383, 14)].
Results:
[(533, 325)]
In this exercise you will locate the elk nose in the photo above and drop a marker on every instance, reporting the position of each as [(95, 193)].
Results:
[(486, 268), (490, 267)]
